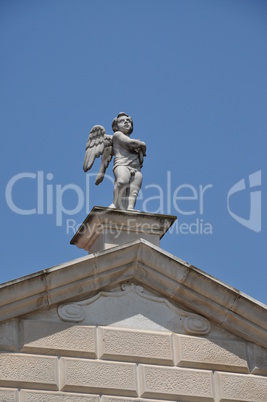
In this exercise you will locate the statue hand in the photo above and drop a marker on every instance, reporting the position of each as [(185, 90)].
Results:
[(143, 147)]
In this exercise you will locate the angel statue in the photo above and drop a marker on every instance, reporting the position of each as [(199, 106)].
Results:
[(128, 159)]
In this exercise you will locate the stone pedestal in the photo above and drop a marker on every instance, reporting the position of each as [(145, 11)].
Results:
[(107, 227)]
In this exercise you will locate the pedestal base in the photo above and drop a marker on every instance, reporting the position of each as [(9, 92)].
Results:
[(107, 227)]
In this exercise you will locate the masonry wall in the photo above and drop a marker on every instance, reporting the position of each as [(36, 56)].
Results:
[(50, 362)]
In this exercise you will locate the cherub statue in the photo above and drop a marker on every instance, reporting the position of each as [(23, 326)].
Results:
[(128, 159)]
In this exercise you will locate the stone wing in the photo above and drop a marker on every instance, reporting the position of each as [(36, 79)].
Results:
[(94, 146), (106, 158)]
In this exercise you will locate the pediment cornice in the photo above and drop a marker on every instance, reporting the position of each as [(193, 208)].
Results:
[(149, 266)]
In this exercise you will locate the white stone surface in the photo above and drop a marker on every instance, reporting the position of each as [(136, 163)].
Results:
[(9, 335), (105, 228), (257, 359), (211, 354), (238, 387), (9, 395), (172, 383), (117, 399), (98, 376), (143, 299), (47, 396), (134, 307), (58, 338), (120, 399), (128, 158), (147, 264), (142, 332), (137, 346), (18, 370)]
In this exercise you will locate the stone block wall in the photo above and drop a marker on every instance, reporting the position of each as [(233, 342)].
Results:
[(52, 362)]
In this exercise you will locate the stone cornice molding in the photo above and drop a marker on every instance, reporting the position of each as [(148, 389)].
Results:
[(151, 267)]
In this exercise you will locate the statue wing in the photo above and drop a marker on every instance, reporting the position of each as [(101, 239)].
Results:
[(98, 143), (106, 158), (94, 146)]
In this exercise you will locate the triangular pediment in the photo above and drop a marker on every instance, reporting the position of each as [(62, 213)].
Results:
[(182, 293)]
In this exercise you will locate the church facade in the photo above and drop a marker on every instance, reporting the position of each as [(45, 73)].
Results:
[(129, 322)]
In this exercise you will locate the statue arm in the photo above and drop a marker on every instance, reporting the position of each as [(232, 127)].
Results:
[(129, 143)]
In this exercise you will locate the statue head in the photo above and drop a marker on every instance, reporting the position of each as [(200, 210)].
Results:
[(120, 120)]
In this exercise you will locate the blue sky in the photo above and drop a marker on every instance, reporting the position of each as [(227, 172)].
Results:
[(192, 74)]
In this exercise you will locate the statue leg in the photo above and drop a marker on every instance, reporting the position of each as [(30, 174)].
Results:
[(135, 186), (122, 180)]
